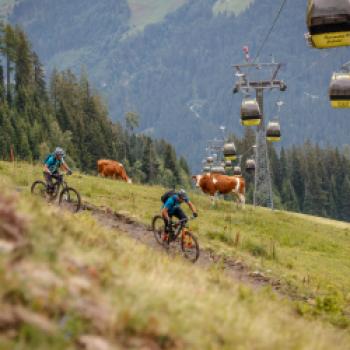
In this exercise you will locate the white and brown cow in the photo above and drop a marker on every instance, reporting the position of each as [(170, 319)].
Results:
[(113, 169), (212, 184)]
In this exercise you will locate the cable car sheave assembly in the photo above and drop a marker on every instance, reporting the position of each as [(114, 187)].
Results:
[(329, 23)]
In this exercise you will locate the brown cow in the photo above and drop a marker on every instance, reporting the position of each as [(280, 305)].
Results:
[(113, 169), (212, 184)]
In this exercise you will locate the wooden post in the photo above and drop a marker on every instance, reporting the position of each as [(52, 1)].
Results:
[(12, 154)]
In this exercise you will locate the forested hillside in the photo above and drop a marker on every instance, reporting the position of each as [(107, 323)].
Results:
[(307, 178), (34, 120), (177, 73)]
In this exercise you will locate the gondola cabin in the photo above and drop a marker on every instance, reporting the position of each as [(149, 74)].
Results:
[(228, 164), (339, 90), (230, 152), (273, 132), (237, 171), (206, 169), (210, 160), (250, 112), (250, 165), (218, 170), (329, 23)]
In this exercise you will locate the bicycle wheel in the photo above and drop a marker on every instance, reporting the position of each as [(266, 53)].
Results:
[(70, 199), (158, 229), (189, 246), (39, 189)]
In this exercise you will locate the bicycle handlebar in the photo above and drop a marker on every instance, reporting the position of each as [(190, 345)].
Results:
[(184, 220)]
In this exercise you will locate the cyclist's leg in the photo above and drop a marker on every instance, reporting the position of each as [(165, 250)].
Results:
[(180, 214), (167, 228), (48, 180)]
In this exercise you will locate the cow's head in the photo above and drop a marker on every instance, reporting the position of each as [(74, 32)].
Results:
[(197, 179), (129, 181)]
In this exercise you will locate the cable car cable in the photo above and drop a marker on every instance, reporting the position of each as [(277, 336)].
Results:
[(270, 30)]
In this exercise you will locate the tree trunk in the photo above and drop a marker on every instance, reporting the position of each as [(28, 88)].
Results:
[(8, 81)]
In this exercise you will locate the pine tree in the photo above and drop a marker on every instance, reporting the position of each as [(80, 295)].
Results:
[(150, 165), (2, 86), (39, 77), (345, 199), (132, 121), (297, 178), (170, 163), (8, 49), (288, 196)]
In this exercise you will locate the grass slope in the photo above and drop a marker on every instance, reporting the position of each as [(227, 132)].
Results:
[(308, 255)]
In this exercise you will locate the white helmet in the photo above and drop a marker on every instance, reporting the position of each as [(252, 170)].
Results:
[(59, 152)]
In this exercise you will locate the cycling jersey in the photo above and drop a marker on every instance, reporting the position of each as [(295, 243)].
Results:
[(53, 163), (173, 203)]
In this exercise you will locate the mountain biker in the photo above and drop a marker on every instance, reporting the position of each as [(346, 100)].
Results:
[(172, 208), (52, 164)]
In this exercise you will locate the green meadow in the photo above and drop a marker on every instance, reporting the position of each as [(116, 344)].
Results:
[(154, 299)]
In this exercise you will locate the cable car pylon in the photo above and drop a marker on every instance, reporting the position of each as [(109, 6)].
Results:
[(263, 195)]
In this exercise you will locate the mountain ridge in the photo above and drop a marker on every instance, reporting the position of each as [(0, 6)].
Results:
[(177, 72)]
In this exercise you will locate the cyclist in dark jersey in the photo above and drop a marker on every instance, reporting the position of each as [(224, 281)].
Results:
[(172, 207)]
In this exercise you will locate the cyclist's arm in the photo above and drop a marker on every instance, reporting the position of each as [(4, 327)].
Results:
[(165, 213), (46, 166), (46, 169), (65, 167), (167, 205), (192, 207)]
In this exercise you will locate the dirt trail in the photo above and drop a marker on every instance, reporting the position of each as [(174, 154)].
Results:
[(234, 268)]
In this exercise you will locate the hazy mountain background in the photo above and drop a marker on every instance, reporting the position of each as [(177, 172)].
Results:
[(171, 61)]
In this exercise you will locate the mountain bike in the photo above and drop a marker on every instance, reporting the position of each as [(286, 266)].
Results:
[(181, 236), (68, 197)]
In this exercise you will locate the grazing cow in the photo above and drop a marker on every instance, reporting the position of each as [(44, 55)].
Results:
[(113, 169), (221, 184)]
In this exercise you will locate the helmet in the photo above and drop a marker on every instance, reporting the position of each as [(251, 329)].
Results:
[(59, 152), (182, 194)]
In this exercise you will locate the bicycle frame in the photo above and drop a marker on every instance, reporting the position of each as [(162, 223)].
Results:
[(180, 226), (59, 181)]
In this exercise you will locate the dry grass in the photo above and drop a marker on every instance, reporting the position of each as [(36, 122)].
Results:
[(81, 283), (308, 255)]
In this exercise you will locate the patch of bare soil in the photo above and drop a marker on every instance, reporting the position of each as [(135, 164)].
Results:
[(236, 269)]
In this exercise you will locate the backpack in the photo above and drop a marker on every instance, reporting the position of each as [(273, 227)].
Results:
[(167, 195)]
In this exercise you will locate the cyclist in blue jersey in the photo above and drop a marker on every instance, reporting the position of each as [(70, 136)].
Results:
[(172, 207), (52, 165)]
